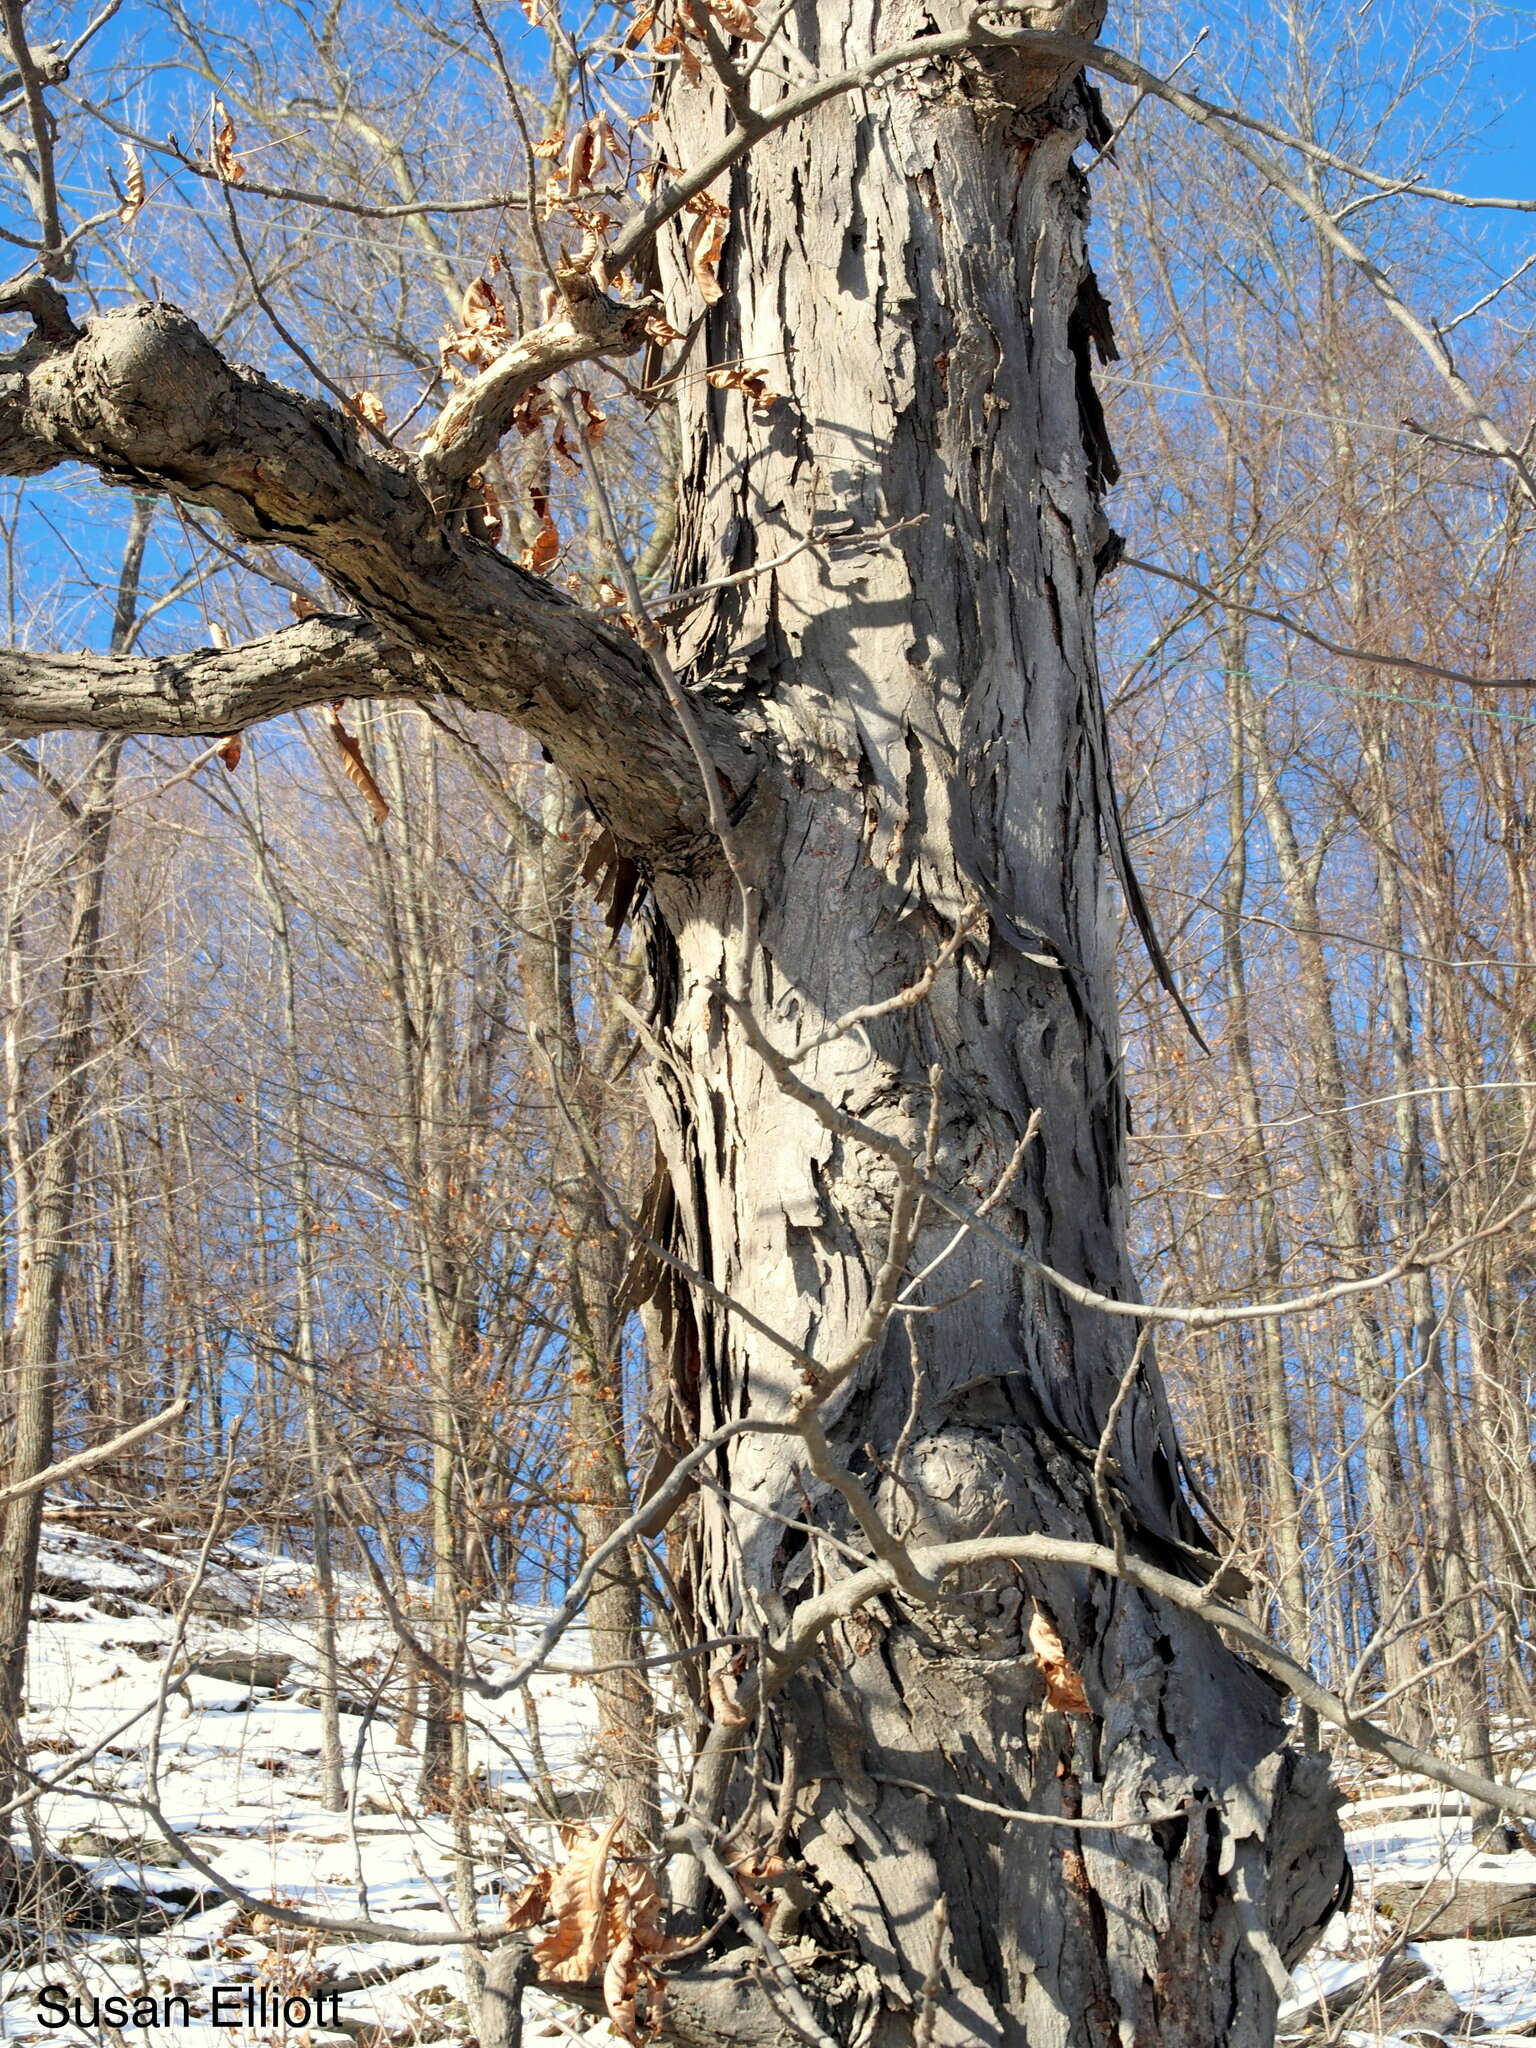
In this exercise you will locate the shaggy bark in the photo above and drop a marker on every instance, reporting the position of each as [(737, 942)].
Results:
[(909, 741), (599, 1486), (910, 272)]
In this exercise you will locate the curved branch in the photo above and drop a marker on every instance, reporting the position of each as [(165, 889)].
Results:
[(466, 432), (144, 398), (210, 691), (815, 1616)]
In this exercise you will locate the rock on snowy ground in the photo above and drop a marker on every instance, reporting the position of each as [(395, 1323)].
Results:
[(1428, 1952)]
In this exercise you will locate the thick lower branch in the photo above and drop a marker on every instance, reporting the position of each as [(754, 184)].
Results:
[(208, 691)]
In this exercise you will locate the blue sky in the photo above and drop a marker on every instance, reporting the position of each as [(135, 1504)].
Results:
[(1506, 164)]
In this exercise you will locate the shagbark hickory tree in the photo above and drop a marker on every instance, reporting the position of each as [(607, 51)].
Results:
[(904, 745)]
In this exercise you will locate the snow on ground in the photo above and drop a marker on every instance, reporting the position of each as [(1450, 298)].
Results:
[(1404, 1833), (239, 1780)]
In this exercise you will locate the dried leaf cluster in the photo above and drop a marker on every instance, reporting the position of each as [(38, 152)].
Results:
[(684, 29), (370, 407), (607, 1930), (481, 335)]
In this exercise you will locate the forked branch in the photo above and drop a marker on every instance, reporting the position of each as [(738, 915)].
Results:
[(144, 398)]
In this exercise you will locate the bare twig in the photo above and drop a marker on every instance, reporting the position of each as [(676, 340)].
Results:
[(820, 1613), (46, 194), (1370, 657), (1021, 1814), (698, 1841)]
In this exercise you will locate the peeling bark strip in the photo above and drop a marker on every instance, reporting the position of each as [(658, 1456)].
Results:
[(915, 744)]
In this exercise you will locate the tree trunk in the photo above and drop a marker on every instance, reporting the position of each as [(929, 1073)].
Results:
[(910, 742), (594, 1259), (34, 1347), (32, 1352), (1284, 1496), (306, 1290), (1343, 1189), (909, 269)]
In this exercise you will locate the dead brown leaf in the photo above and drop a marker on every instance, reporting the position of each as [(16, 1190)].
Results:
[(595, 418), (353, 766), (607, 1913), (747, 381), (722, 1697), (541, 555), (225, 162), (370, 407), (530, 1904), (563, 452), (133, 188), (594, 223), (231, 750), (581, 159), (757, 1874), (531, 410), (679, 45), (480, 310), (576, 1946), (706, 238), (1063, 1686), (660, 329)]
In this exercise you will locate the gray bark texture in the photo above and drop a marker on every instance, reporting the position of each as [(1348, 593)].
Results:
[(909, 270), (910, 738)]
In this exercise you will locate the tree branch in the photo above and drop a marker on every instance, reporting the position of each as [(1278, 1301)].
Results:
[(98, 1454), (467, 430), (209, 691), (1371, 657), (145, 399), (815, 1616)]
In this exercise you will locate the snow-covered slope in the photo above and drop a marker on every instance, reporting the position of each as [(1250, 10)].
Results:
[(229, 1708), (1385, 1965), (238, 1777)]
